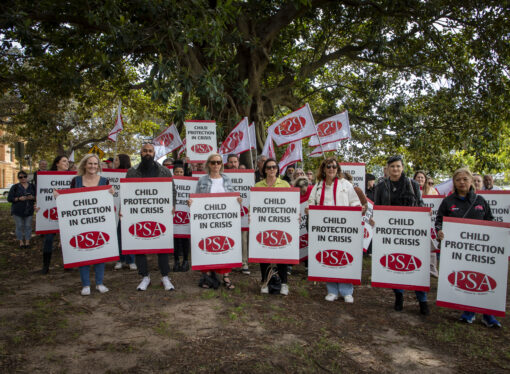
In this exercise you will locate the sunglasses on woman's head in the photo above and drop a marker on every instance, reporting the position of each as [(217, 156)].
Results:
[(215, 162), (271, 167)]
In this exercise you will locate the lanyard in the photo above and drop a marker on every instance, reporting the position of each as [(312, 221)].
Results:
[(324, 189)]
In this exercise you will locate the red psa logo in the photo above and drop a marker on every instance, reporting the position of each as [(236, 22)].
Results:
[(274, 238), (433, 233), (303, 241), (334, 257), (181, 218), (329, 128), (290, 126), (472, 281), (366, 234), (244, 211), (51, 214), (147, 229), (216, 244), (232, 142), (201, 148), (401, 262), (89, 240)]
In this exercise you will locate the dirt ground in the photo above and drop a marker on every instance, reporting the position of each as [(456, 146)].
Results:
[(46, 326)]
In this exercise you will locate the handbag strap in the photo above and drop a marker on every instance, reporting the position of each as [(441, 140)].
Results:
[(473, 203)]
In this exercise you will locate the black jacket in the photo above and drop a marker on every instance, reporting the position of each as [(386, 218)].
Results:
[(21, 208), (454, 206), (382, 194)]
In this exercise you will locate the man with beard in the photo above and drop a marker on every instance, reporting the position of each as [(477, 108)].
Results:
[(148, 168)]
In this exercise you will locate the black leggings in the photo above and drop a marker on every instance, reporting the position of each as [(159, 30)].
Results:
[(143, 269), (282, 271), (181, 248)]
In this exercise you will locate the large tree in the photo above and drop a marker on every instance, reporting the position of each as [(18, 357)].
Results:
[(423, 77)]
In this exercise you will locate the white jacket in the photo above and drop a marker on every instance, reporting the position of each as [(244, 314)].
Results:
[(345, 194)]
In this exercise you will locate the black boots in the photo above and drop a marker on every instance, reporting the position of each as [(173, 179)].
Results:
[(424, 308), (185, 265), (46, 262), (399, 301)]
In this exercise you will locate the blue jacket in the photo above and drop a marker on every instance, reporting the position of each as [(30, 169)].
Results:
[(21, 208), (204, 184)]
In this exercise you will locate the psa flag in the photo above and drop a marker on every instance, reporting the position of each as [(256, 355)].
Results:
[(238, 141), (119, 126), (294, 126), (293, 154), (268, 150), (332, 129), (168, 141)]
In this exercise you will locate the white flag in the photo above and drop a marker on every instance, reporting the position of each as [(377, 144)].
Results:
[(268, 150), (293, 127), (119, 126), (294, 153), (445, 188), (332, 129), (71, 156), (253, 136), (168, 141), (238, 141), (317, 152), (183, 148)]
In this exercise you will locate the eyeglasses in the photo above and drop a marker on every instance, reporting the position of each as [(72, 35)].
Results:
[(430, 183), (22, 177), (271, 167), (215, 162), (332, 166)]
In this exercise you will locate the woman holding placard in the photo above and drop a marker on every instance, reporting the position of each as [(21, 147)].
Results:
[(22, 196), (88, 176), (465, 203), (333, 190), (423, 180), (215, 182), (270, 172), (181, 245)]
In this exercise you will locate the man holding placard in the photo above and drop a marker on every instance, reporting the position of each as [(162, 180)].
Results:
[(148, 168)]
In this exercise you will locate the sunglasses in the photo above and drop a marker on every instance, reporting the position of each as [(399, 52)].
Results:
[(430, 183), (215, 162), (22, 177), (271, 167), (332, 166)]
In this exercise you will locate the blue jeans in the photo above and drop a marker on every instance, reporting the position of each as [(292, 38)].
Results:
[(48, 243), (342, 289), (128, 259), (23, 227), (471, 314), (85, 274), (421, 296)]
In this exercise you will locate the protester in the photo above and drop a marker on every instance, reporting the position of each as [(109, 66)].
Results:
[(305, 188), (88, 176), (488, 183), (109, 162), (43, 166), (465, 203), (333, 190), (421, 178), (181, 245), (22, 197), (298, 172), (148, 168), (477, 182), (261, 159), (311, 177), (242, 166), (215, 182), (288, 173), (123, 161), (232, 162), (168, 162), (60, 163), (370, 186), (270, 173), (399, 190), (429, 187), (361, 196)]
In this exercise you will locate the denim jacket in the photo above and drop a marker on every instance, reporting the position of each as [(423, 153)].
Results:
[(204, 184)]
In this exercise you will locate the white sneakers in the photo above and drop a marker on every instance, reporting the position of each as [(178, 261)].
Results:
[(118, 266), (132, 266), (284, 290), (102, 288), (349, 299), (245, 270), (85, 291), (264, 289), (144, 284), (331, 297), (167, 284)]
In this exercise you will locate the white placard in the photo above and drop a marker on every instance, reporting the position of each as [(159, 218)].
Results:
[(368, 231), (303, 231), (433, 202), (184, 186), (357, 170), (215, 221), (274, 225), (47, 217), (401, 248), (474, 265), (499, 202), (146, 208), (88, 232), (200, 139), (334, 244), (114, 176), (242, 180)]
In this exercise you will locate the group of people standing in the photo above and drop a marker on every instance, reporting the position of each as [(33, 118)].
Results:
[(329, 186)]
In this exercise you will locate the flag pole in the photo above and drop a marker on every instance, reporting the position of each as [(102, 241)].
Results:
[(249, 141), (316, 131)]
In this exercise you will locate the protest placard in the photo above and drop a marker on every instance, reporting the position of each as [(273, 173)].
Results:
[(499, 202), (433, 202), (357, 170), (47, 217), (184, 186), (334, 244), (242, 180), (274, 225), (401, 248), (303, 231), (88, 232), (200, 139), (146, 208), (474, 265), (368, 231), (215, 220), (114, 176)]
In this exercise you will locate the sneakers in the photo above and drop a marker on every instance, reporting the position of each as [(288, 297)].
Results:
[(284, 290), (348, 299), (424, 308), (101, 288), (118, 266), (331, 297), (467, 317), (490, 321), (399, 301), (167, 284), (245, 270), (264, 289), (144, 284), (85, 291), (132, 266)]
